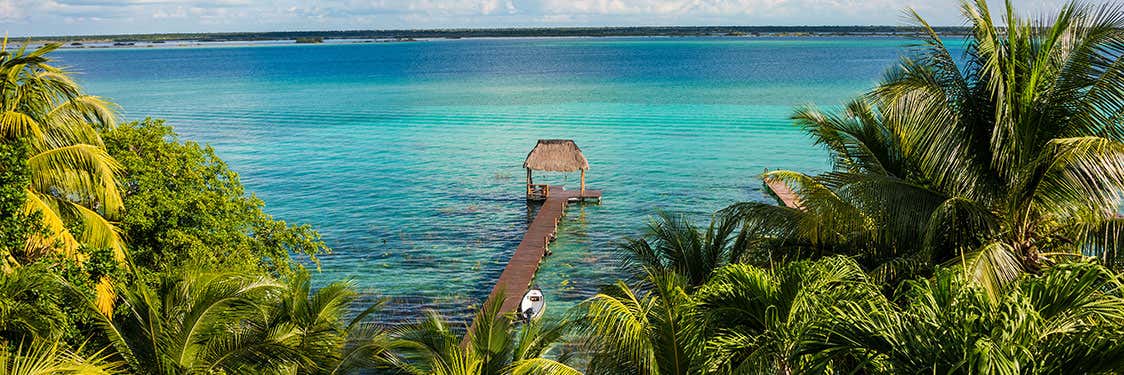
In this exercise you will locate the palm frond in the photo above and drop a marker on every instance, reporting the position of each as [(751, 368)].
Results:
[(58, 236), (994, 265), (83, 173), (623, 316), (17, 125), (541, 366), (47, 357), (1080, 178), (1102, 239)]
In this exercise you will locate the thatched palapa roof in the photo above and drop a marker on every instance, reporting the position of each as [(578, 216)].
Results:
[(556, 155)]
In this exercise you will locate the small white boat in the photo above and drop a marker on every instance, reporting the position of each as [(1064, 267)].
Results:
[(533, 305)]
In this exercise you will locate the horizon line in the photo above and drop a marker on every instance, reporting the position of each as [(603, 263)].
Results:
[(478, 29)]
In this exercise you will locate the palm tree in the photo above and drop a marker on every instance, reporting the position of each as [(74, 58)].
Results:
[(673, 245), (1001, 161), (745, 319), (1068, 320), (827, 222), (73, 179), (52, 358), (494, 344), (327, 342), (201, 322), (757, 318), (653, 331), (29, 305)]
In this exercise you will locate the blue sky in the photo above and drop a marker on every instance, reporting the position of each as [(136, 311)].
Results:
[(62, 17)]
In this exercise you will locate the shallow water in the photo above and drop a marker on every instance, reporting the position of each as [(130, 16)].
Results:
[(407, 156)]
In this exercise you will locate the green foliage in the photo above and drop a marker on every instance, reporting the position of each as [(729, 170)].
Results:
[(745, 319), (202, 322), (72, 185), (16, 225), (328, 343), (493, 345), (757, 318), (53, 358), (1000, 163), (1011, 163), (30, 305), (673, 245), (1068, 320), (643, 332), (34, 303), (186, 207), (827, 316)]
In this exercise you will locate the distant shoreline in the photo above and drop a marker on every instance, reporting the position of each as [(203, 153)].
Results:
[(312, 37), (101, 44)]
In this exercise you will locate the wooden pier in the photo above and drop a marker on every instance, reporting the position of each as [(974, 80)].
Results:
[(519, 273), (549, 155), (517, 277)]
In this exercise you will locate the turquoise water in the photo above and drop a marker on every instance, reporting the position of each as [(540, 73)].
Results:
[(407, 156)]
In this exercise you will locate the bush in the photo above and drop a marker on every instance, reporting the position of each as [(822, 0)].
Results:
[(185, 206), (16, 226)]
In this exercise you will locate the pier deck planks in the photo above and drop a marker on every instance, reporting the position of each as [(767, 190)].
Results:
[(521, 268), (520, 271)]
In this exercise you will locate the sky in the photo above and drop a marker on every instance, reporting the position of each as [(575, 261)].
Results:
[(71, 17)]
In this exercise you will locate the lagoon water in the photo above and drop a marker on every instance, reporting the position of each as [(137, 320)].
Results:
[(407, 156)]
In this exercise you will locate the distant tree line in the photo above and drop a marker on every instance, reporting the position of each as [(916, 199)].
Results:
[(515, 32)]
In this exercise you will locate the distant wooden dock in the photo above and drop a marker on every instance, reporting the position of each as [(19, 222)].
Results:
[(782, 192)]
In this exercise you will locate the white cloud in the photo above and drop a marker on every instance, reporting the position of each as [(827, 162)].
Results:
[(10, 11)]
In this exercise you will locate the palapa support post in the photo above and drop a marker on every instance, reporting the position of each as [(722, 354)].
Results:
[(530, 183), (583, 182)]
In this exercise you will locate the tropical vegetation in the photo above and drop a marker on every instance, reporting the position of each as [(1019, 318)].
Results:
[(970, 224), (72, 184), (1006, 160), (493, 344), (188, 209)]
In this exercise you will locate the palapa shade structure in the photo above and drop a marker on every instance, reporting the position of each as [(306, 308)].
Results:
[(555, 155)]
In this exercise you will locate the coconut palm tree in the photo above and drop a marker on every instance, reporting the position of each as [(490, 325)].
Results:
[(1001, 160), (73, 179), (1068, 320), (673, 245), (494, 344)]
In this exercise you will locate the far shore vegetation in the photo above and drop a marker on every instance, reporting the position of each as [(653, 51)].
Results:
[(640, 31), (970, 224)]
